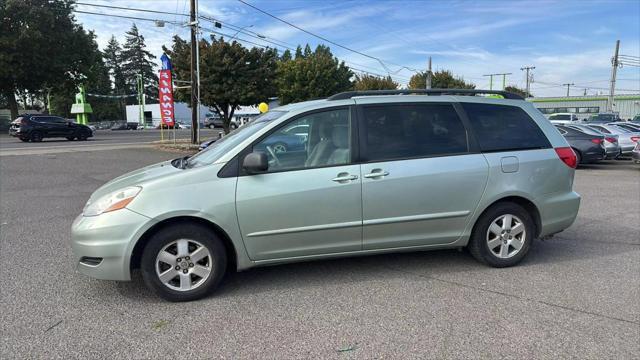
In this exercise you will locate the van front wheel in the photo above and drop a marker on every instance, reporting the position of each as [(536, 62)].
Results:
[(183, 262), (502, 235)]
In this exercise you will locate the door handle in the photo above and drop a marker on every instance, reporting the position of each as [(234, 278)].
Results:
[(376, 173), (344, 177)]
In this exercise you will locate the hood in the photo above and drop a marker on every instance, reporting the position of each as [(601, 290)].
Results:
[(136, 178)]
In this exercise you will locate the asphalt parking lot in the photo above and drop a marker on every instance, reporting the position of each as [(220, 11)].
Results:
[(576, 295)]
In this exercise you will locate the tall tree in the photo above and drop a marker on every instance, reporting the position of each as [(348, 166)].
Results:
[(136, 59), (311, 75), (230, 74), (96, 81), (113, 62), (442, 79), (371, 82), (516, 90), (30, 61)]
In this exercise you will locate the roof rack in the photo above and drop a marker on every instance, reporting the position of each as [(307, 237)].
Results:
[(472, 92)]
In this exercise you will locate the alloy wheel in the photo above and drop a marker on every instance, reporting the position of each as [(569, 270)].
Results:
[(183, 265), (506, 236)]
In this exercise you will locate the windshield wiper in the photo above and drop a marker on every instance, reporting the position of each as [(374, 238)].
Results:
[(180, 163)]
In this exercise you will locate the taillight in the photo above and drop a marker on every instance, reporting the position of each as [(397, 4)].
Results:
[(611, 139), (597, 141), (567, 156), (635, 138)]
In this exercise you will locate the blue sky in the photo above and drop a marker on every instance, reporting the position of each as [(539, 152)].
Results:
[(567, 41)]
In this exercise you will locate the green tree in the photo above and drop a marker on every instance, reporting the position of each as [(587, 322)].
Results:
[(42, 47), (312, 75), (136, 59), (96, 81), (442, 79), (516, 90), (230, 74), (112, 55), (371, 82)]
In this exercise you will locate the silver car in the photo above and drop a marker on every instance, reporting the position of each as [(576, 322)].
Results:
[(376, 172), (611, 141), (626, 138)]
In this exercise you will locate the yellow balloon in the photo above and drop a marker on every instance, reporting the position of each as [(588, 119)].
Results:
[(263, 107)]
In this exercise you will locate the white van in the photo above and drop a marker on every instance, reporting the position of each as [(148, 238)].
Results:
[(564, 118)]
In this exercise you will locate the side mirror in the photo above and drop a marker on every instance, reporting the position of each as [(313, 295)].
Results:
[(255, 162)]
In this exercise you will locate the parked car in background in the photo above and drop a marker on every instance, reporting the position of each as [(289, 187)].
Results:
[(564, 118), (603, 118), (611, 144), (627, 125), (635, 155), (29, 127), (589, 148), (374, 174), (626, 139), (126, 126), (636, 119), (218, 123), (206, 144)]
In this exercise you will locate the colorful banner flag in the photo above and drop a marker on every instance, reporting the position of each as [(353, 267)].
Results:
[(165, 89)]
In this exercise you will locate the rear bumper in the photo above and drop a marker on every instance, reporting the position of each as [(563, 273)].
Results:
[(558, 211)]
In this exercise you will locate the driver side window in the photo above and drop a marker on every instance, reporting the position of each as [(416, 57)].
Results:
[(315, 140)]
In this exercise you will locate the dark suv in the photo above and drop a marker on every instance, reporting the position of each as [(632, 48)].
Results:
[(37, 127)]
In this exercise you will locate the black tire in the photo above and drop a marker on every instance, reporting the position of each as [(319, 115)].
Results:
[(233, 126), (70, 138), (82, 136), (479, 246), (36, 136), (578, 157), (212, 126), (193, 232), (24, 139)]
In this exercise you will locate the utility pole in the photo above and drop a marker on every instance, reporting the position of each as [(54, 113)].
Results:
[(194, 75), (429, 75), (504, 79), (614, 69), (528, 79), (568, 86)]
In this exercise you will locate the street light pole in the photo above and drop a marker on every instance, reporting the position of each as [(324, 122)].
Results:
[(194, 74)]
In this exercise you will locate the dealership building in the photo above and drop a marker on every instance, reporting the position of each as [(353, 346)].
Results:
[(627, 106)]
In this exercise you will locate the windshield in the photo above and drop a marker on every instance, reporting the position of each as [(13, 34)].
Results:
[(220, 147)]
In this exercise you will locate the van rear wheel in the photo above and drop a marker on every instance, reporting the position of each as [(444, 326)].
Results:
[(183, 262), (502, 235)]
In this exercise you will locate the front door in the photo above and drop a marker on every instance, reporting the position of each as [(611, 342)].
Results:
[(309, 202), (420, 182)]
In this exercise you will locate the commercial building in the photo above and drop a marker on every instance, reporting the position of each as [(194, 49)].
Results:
[(627, 106)]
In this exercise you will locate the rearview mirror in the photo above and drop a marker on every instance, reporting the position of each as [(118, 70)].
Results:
[(255, 162)]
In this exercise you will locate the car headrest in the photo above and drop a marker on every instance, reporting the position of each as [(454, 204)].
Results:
[(340, 137)]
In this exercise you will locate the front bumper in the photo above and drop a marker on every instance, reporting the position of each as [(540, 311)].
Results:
[(102, 244)]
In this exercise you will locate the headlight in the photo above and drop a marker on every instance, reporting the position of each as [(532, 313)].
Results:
[(111, 202)]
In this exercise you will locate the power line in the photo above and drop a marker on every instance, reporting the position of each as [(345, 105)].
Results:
[(253, 34), (325, 39), (131, 9)]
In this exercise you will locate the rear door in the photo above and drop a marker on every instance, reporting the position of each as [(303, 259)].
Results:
[(421, 179)]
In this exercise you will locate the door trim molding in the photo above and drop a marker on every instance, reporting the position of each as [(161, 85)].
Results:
[(401, 219), (306, 228)]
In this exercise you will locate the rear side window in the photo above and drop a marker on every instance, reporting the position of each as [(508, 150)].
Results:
[(411, 131), (502, 128)]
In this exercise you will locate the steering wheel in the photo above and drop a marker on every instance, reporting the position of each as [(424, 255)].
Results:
[(273, 155)]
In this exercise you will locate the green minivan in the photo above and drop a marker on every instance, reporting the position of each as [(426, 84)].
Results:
[(371, 172)]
